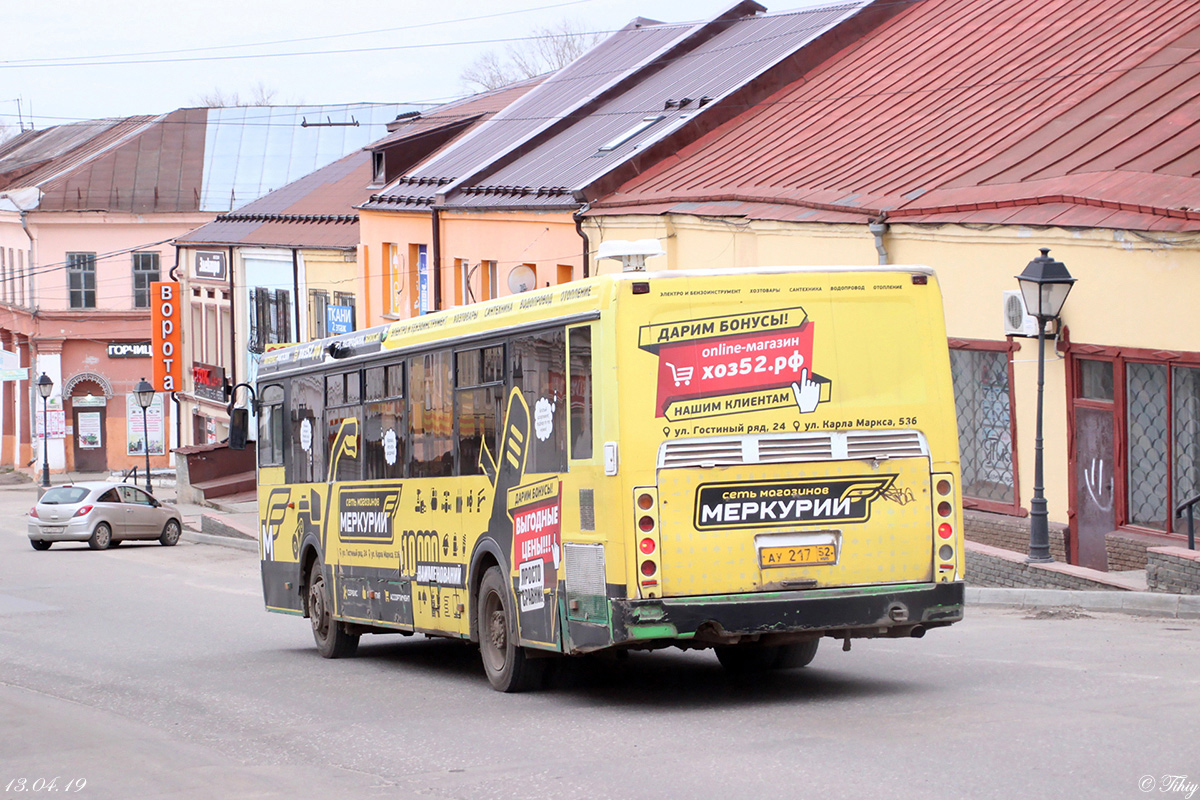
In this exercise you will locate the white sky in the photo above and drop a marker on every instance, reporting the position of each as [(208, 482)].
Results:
[(387, 64)]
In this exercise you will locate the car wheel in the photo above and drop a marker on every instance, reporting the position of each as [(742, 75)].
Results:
[(40, 544), (170, 534), (332, 639), (505, 662), (101, 537)]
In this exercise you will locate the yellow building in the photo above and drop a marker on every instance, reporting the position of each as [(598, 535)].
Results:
[(969, 163)]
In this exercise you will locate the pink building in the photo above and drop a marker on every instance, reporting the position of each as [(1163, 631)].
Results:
[(88, 214)]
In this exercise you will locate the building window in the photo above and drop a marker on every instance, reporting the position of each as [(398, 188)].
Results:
[(81, 279), (318, 301), (270, 318), (145, 272), (983, 405), (491, 281), (346, 300), (1162, 442)]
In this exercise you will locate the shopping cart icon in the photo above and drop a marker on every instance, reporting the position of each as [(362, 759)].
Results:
[(682, 375)]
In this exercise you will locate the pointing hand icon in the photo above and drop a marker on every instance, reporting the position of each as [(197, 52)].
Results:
[(807, 393)]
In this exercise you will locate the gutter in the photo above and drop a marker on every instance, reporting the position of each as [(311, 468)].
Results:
[(587, 246), (436, 255)]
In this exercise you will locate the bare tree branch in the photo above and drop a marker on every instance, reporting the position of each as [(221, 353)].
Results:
[(551, 48)]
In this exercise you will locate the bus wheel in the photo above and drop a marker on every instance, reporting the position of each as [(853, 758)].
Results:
[(797, 654), (749, 657), (507, 667), (332, 640)]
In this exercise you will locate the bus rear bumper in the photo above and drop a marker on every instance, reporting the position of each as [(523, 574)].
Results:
[(861, 611)]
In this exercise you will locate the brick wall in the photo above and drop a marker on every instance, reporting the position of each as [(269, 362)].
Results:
[(1009, 533), (1173, 569), (1127, 550), (995, 566)]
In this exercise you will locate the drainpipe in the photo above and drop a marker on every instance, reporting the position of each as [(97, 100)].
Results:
[(29, 262), (296, 293), (233, 380), (587, 247), (436, 255), (878, 228)]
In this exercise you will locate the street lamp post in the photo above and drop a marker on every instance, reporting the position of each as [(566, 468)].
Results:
[(1044, 284), (145, 396), (45, 386)]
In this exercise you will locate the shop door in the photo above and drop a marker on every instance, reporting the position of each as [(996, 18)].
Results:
[(91, 449), (1094, 462)]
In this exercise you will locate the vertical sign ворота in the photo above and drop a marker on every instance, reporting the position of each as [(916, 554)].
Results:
[(165, 341)]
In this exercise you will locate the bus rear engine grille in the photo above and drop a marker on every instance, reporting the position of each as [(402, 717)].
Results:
[(784, 448)]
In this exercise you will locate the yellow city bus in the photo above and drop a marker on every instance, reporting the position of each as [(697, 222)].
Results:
[(742, 460)]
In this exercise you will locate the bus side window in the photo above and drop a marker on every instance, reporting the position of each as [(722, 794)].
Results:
[(430, 416), (580, 342), (539, 370), (385, 451), (479, 382), (307, 411), (343, 416), (270, 427)]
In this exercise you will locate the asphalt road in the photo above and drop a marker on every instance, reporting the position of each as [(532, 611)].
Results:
[(154, 672)]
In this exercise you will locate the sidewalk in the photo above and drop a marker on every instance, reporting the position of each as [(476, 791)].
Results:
[(236, 525)]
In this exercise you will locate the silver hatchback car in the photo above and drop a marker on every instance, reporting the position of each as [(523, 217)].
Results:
[(101, 513)]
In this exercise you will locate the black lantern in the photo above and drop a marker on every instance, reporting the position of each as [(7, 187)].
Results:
[(1045, 284), (45, 386), (145, 396)]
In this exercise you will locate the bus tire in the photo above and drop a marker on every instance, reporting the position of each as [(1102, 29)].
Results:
[(797, 654), (749, 657), (331, 638), (505, 662)]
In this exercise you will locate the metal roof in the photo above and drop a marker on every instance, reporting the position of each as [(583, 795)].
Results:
[(1038, 112), (316, 211), (252, 150), (687, 83), (546, 139), (193, 159)]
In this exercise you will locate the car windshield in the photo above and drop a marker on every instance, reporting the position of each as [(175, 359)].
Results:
[(64, 495)]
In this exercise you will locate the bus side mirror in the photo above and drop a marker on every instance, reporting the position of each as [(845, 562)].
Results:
[(239, 428)]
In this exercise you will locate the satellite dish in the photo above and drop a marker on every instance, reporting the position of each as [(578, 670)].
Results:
[(521, 278)]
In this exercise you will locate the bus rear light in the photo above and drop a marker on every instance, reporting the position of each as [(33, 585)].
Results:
[(948, 567), (943, 487), (649, 568), (945, 530), (945, 509), (645, 502), (647, 546), (646, 523), (945, 552)]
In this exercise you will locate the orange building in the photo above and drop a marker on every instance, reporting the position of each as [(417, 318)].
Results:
[(496, 210)]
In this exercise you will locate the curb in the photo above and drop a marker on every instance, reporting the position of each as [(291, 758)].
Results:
[(1154, 604), (236, 542)]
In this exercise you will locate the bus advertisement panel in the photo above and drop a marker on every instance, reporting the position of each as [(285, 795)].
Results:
[(746, 461)]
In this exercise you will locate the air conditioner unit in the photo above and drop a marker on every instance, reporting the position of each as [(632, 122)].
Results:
[(1017, 321)]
